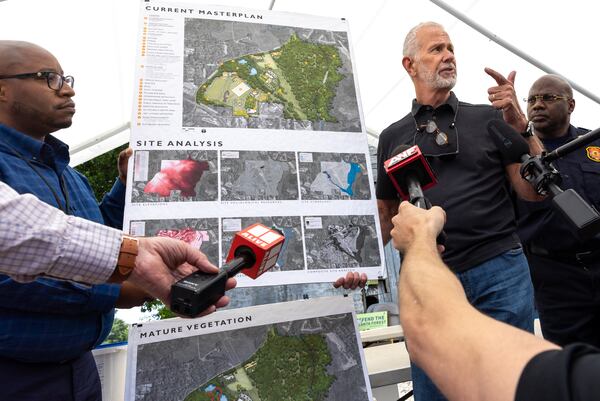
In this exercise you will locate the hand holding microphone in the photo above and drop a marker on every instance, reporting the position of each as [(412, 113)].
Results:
[(410, 174), (253, 251)]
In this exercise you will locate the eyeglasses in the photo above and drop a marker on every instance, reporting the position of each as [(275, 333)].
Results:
[(546, 98), (441, 138), (54, 79)]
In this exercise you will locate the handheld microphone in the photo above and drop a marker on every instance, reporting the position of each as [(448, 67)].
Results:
[(545, 178), (253, 251), (410, 174)]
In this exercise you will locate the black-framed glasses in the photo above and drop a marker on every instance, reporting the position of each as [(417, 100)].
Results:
[(441, 138), (546, 98), (55, 80)]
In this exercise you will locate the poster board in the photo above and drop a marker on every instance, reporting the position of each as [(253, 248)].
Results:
[(245, 116), (306, 349)]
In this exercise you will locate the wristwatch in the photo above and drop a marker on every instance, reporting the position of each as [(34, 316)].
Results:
[(126, 260), (528, 133)]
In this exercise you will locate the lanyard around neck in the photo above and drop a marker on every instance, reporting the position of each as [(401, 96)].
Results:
[(67, 207)]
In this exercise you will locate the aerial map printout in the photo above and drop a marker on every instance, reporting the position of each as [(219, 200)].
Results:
[(295, 351), (245, 116)]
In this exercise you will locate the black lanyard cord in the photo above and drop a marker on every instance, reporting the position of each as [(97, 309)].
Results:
[(61, 180)]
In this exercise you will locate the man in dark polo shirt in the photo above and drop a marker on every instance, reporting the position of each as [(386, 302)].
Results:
[(565, 269), (482, 247), (468, 355)]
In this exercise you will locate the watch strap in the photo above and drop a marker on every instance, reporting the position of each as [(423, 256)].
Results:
[(528, 133), (126, 259)]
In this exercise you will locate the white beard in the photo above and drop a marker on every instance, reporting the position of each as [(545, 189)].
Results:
[(435, 81)]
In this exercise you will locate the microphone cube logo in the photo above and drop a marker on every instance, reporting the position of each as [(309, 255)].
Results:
[(264, 242)]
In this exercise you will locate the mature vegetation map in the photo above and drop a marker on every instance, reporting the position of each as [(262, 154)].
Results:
[(314, 359), (267, 76), (284, 368)]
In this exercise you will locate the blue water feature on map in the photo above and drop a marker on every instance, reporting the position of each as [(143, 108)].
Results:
[(289, 234), (354, 170), (210, 388), (253, 71), (242, 61)]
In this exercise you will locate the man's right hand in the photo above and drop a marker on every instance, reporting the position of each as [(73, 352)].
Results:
[(413, 224), (163, 261)]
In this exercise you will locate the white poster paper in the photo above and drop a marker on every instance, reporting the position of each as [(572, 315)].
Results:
[(245, 116), (301, 350)]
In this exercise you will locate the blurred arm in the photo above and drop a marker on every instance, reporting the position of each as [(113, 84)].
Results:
[(467, 354)]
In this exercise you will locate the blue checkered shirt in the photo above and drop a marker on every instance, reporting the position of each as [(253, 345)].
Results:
[(49, 320)]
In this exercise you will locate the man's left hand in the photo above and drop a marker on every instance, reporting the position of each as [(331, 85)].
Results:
[(122, 162), (503, 97)]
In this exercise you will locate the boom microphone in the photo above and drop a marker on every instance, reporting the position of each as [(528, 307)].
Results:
[(545, 178), (253, 251), (575, 144)]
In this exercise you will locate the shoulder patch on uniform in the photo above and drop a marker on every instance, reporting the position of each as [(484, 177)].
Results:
[(593, 153)]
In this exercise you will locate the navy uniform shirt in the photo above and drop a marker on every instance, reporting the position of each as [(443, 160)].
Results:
[(539, 222), (472, 187)]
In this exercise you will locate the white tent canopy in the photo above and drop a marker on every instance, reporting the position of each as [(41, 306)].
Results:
[(95, 42)]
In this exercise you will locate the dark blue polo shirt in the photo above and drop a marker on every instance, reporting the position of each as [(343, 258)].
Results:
[(472, 185)]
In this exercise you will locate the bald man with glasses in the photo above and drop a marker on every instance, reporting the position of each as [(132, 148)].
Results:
[(50, 326)]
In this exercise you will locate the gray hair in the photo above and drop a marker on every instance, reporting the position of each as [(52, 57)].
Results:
[(411, 47)]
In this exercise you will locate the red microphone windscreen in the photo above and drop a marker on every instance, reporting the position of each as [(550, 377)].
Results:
[(409, 160), (264, 242)]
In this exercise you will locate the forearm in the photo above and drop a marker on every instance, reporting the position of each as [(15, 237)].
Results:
[(468, 355), (523, 188), (37, 239), (131, 296), (535, 146), (428, 291)]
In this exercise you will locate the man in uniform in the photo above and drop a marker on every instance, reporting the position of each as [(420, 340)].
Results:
[(565, 269)]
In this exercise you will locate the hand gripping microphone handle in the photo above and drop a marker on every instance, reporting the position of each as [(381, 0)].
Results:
[(253, 251), (545, 178), (410, 173)]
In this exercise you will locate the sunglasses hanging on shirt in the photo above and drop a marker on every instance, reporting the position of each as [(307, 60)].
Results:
[(441, 138), (437, 136)]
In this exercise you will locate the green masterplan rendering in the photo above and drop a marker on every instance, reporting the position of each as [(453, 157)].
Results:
[(300, 75), (284, 368)]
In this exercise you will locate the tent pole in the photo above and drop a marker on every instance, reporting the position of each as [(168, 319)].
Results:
[(512, 48), (96, 140), (272, 4)]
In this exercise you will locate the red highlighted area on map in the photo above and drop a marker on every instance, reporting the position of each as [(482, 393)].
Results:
[(182, 175)]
